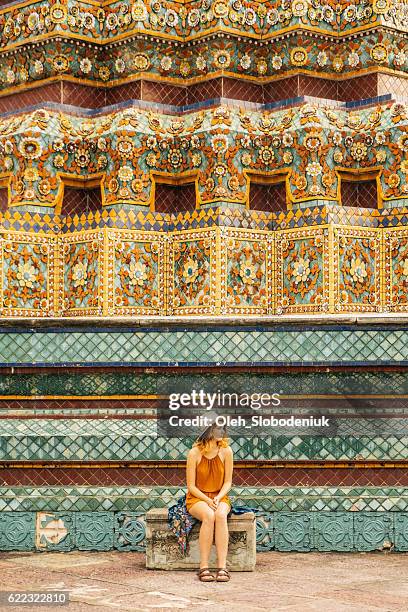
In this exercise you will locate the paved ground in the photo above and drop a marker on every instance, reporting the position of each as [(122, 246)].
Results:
[(282, 581)]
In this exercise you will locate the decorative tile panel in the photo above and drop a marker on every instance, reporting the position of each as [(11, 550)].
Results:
[(54, 531), (94, 530), (373, 531), (356, 262), (130, 531), (302, 271), (293, 531), (193, 269), (136, 269), (333, 531), (246, 272), (82, 274), (28, 275), (17, 530), (396, 269)]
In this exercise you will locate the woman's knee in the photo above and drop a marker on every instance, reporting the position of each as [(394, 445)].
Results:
[(221, 516), (208, 516)]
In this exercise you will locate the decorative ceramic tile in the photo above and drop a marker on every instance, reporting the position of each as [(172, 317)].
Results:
[(302, 271), (357, 261), (17, 530)]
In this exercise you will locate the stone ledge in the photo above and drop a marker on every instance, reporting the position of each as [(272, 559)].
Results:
[(162, 549)]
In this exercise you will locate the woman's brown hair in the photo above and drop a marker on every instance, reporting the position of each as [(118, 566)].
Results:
[(203, 441)]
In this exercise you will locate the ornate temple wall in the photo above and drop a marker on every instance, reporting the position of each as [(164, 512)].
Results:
[(214, 193)]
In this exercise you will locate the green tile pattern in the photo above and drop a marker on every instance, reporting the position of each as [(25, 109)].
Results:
[(126, 383), (142, 499), (283, 531), (134, 439), (303, 345)]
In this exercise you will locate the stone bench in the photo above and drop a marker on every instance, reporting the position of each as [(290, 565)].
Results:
[(163, 552)]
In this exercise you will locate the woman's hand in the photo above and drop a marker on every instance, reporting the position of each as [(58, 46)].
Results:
[(216, 501), (211, 503)]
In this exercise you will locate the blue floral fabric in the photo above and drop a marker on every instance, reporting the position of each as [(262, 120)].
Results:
[(181, 522)]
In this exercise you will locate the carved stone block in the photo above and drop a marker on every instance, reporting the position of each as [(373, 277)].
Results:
[(163, 552)]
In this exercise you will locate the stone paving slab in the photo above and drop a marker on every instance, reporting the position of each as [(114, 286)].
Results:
[(101, 581)]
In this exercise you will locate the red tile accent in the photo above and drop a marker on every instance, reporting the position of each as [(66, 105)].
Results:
[(170, 198), (362, 194), (358, 88), (83, 95), (318, 88), (281, 90), (269, 198), (175, 476), (207, 90), (163, 93), (3, 199), (21, 99), (236, 89), (122, 93), (79, 201)]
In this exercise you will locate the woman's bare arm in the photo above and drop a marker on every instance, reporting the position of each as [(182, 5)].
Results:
[(228, 468), (192, 458)]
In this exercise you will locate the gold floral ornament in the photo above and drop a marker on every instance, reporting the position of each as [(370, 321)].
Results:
[(358, 270), (58, 13), (60, 63), (379, 53), (137, 273), (222, 58), (139, 12), (298, 56), (125, 148), (30, 148), (381, 6), (79, 274), (247, 272), (141, 62), (220, 9), (301, 270), (190, 270), (358, 151), (26, 275)]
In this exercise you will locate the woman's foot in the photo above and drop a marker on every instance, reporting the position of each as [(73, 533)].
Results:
[(222, 575), (204, 575)]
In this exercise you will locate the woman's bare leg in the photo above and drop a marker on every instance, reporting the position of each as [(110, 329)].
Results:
[(203, 513), (221, 533)]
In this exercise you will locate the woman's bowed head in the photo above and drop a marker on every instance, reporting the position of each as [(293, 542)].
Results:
[(209, 479)]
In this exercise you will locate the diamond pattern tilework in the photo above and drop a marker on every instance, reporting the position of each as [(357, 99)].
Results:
[(207, 90), (163, 93), (236, 89), (279, 346), (82, 95), (112, 383), (362, 194), (269, 198), (123, 93), (175, 476), (139, 499), (46, 93), (174, 199), (80, 201), (136, 440), (391, 84)]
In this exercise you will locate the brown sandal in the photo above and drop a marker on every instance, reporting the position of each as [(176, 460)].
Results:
[(222, 575), (204, 575)]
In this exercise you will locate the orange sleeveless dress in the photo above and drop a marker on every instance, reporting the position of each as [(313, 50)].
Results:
[(209, 479)]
